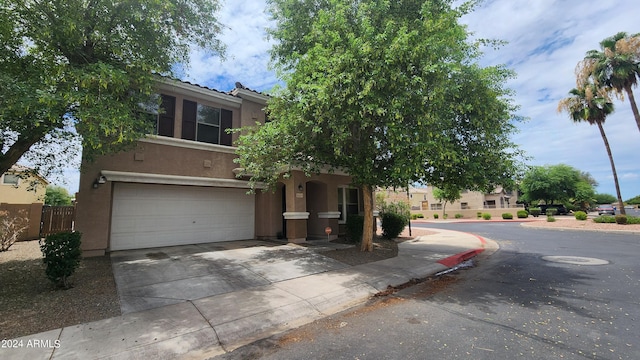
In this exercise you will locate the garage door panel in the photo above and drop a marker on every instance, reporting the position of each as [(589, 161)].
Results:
[(147, 215)]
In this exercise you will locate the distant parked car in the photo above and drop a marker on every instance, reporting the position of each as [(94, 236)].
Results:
[(605, 209), (562, 210)]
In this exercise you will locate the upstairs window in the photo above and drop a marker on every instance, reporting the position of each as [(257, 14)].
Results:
[(161, 116), (10, 179), (205, 123)]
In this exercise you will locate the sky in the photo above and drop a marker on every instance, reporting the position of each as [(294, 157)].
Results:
[(545, 40)]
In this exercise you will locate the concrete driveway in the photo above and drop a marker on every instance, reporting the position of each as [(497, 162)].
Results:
[(151, 278)]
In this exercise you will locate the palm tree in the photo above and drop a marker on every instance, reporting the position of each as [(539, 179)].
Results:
[(616, 67), (592, 105)]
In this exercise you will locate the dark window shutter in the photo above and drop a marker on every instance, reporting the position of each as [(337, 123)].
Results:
[(189, 113), (166, 120), (225, 123)]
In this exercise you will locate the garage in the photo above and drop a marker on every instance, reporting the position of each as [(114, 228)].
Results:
[(153, 215)]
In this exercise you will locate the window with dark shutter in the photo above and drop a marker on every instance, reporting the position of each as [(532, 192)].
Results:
[(166, 119), (189, 114), (225, 122)]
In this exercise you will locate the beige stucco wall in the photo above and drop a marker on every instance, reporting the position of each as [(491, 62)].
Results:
[(174, 156), (473, 200), (10, 194), (94, 205)]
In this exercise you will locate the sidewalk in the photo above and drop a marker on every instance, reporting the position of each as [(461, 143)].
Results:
[(217, 324)]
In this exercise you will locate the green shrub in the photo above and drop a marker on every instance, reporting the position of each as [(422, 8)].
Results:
[(62, 256), (605, 219), (535, 212), (621, 219), (393, 224), (550, 218), (551, 211), (445, 216), (414, 216), (633, 219), (522, 214), (580, 215), (479, 214), (435, 216), (486, 216), (458, 216), (420, 216), (507, 216), (355, 225)]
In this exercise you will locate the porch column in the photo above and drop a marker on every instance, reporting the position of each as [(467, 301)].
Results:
[(296, 226), (296, 215)]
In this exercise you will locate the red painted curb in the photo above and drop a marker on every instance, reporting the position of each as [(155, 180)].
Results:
[(456, 259)]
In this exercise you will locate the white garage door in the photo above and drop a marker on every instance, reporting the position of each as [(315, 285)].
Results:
[(145, 215)]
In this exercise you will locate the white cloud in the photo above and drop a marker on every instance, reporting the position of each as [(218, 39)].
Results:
[(546, 39)]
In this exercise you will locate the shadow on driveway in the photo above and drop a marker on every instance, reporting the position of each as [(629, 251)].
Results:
[(152, 278)]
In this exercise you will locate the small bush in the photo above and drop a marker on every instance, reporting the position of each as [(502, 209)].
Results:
[(486, 216), (605, 219), (633, 220), (522, 214), (507, 216), (479, 214), (458, 216), (355, 225), (535, 212), (445, 216), (435, 216), (621, 219), (420, 216), (551, 211), (414, 216), (61, 256), (393, 224), (11, 227), (550, 218), (580, 215)]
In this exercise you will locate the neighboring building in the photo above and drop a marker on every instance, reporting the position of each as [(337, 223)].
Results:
[(180, 187), (22, 194), (422, 201), (20, 186)]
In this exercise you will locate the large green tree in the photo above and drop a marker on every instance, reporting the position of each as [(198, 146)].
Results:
[(83, 67), (553, 184), (592, 105), (57, 196), (389, 91), (615, 67)]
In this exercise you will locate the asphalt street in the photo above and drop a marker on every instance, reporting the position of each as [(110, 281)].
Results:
[(517, 303)]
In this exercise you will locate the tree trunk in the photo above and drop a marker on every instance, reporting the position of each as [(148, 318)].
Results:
[(15, 152), (367, 231), (613, 168), (634, 107)]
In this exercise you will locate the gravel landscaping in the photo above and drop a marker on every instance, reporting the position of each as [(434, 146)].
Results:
[(30, 303)]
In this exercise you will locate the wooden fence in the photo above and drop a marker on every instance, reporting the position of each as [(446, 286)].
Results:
[(57, 219)]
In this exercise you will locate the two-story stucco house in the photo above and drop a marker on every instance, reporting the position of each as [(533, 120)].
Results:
[(179, 186), (20, 186)]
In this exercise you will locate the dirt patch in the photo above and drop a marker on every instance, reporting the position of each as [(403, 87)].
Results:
[(382, 248), (30, 303)]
